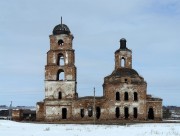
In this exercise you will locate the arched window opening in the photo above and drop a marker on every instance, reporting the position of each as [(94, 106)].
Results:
[(135, 96), (123, 62), (135, 112), (60, 75), (82, 113), (98, 112), (64, 113), (126, 97), (126, 112), (61, 60), (117, 112), (60, 95), (151, 113), (126, 80), (60, 42), (117, 96), (90, 111)]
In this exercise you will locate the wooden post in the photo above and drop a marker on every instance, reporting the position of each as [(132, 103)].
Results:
[(94, 108)]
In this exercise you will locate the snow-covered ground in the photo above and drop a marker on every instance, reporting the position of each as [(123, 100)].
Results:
[(10, 128)]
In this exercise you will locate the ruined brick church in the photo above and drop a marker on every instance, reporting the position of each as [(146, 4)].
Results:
[(124, 97)]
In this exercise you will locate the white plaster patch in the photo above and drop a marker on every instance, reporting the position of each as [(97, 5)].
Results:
[(52, 88), (37, 107), (69, 77), (54, 58), (76, 111), (66, 60), (112, 109), (55, 110)]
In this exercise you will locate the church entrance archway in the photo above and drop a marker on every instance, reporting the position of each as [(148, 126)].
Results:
[(98, 112), (151, 114), (126, 112), (64, 113), (117, 112)]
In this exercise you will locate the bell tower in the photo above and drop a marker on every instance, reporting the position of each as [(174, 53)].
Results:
[(60, 71), (123, 56)]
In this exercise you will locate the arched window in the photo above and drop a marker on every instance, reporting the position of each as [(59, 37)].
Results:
[(117, 112), (60, 42), (60, 75), (61, 60), (60, 95), (135, 112), (82, 113), (126, 112), (126, 80), (135, 96), (117, 96), (98, 112), (123, 61), (126, 97), (90, 111)]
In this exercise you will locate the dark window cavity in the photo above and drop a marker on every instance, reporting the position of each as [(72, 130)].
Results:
[(98, 112), (126, 112), (117, 96), (117, 112), (60, 42), (135, 96), (135, 112), (60, 95), (64, 113), (82, 113), (126, 97), (126, 80), (151, 114)]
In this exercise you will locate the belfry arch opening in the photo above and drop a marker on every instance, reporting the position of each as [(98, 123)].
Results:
[(60, 75), (60, 42), (151, 113), (123, 62), (61, 60)]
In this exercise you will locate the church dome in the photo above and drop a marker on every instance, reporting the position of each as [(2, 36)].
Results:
[(61, 29), (121, 75), (125, 72)]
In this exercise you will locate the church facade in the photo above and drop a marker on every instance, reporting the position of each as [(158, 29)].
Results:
[(124, 97)]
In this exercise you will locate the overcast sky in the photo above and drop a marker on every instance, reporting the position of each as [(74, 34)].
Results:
[(151, 28)]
